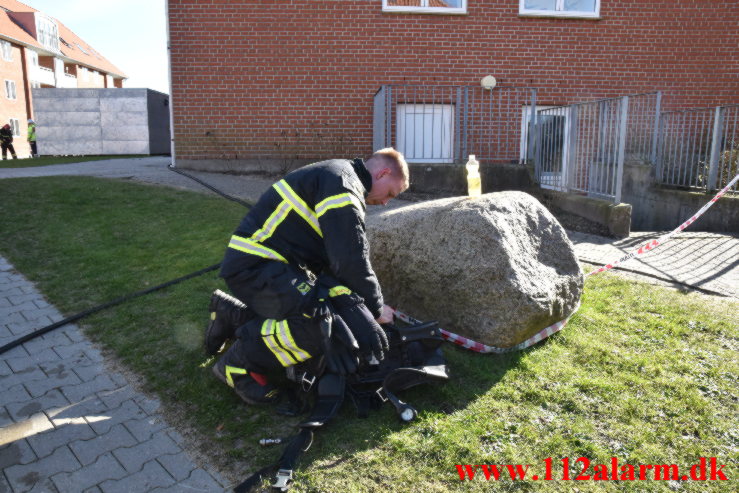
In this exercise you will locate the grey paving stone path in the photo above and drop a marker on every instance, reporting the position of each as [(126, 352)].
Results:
[(68, 423), (690, 259)]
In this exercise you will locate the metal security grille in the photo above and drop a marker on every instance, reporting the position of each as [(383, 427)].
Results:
[(699, 148), (444, 124), (582, 147)]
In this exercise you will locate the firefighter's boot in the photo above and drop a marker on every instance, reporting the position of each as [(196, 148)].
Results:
[(226, 315), (233, 369)]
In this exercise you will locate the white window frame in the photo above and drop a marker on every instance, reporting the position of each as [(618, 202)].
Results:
[(15, 126), (424, 8), (559, 11), (47, 32), (10, 92), (7, 51), (437, 138)]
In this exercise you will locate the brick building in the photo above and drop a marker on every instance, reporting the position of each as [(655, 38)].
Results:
[(268, 81), (40, 51)]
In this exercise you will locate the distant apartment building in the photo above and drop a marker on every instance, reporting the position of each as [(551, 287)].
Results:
[(39, 51)]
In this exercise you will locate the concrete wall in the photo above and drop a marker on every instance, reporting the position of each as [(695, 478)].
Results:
[(573, 211), (655, 208), (645, 206), (97, 121), (451, 179)]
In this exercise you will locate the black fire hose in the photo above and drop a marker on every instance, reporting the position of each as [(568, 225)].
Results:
[(209, 187), (129, 296), (98, 308)]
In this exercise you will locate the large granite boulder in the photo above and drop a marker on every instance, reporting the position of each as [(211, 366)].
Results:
[(496, 268)]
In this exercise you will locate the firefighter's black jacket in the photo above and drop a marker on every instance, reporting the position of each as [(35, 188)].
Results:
[(314, 218), (6, 135)]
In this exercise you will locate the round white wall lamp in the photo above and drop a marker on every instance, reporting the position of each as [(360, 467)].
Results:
[(488, 82)]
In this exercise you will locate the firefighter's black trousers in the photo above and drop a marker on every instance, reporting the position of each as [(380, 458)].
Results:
[(5, 146), (285, 332)]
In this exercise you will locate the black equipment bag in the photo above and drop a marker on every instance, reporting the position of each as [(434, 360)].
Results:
[(414, 358)]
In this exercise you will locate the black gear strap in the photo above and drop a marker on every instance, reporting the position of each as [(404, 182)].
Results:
[(330, 397)]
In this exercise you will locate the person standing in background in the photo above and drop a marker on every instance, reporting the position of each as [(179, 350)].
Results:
[(32, 137)]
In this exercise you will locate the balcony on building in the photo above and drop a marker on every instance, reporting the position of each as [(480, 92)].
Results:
[(70, 76), (44, 71)]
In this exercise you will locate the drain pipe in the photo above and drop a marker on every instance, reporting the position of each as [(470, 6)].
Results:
[(171, 98)]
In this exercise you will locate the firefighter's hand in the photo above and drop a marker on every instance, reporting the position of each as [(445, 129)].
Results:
[(340, 349), (386, 317), (368, 333)]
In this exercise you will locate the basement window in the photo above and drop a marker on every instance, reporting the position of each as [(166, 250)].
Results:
[(425, 132), (588, 9), (425, 6)]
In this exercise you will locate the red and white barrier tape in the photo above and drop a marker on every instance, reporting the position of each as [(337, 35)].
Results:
[(553, 329), (655, 243)]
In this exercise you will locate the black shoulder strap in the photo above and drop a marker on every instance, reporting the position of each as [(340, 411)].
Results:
[(330, 397)]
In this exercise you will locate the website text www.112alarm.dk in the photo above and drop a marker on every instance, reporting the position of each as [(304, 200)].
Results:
[(706, 469)]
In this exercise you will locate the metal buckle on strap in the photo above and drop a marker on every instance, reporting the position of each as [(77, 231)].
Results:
[(283, 477), (307, 383), (304, 379), (381, 394)]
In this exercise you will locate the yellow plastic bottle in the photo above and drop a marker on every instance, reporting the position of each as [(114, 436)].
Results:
[(474, 186)]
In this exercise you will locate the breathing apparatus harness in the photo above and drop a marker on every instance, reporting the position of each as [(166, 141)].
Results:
[(413, 358)]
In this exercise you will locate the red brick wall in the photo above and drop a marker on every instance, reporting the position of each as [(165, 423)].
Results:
[(271, 77)]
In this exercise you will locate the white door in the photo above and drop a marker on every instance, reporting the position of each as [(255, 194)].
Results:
[(425, 132)]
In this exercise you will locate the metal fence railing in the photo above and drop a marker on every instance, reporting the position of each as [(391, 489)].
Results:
[(582, 147), (699, 148), (444, 124), (577, 148), (642, 126)]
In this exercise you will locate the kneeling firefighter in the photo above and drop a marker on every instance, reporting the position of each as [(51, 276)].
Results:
[(305, 296)]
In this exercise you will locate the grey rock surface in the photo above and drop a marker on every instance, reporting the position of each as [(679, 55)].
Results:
[(496, 269)]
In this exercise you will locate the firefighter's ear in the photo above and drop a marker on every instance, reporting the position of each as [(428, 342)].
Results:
[(383, 172)]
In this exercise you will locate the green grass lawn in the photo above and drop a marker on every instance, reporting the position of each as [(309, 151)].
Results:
[(49, 160), (641, 373)]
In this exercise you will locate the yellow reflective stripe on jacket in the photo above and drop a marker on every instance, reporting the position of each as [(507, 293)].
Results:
[(230, 370), (338, 291), (336, 201), (286, 338), (298, 205), (248, 245), (274, 220), (268, 335)]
